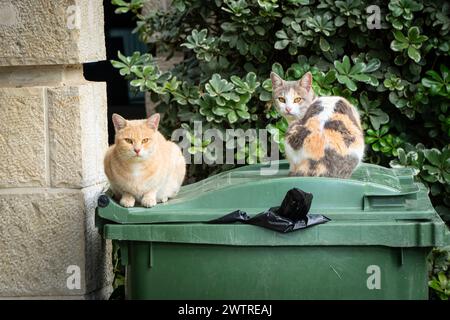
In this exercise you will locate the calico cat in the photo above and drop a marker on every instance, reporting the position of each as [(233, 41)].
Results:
[(324, 137), (142, 165)]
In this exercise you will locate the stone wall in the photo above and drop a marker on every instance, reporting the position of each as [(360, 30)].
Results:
[(53, 135)]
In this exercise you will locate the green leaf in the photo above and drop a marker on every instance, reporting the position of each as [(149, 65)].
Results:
[(260, 30), (358, 68), (124, 71), (237, 81), (413, 33), (361, 77), (400, 60), (122, 57), (278, 69), (296, 27), (330, 77), (384, 130), (373, 81), (398, 35), (428, 178), (339, 67), (376, 147), (398, 46), (401, 155), (446, 176), (445, 72), (220, 111), (431, 169), (339, 21), (251, 80), (433, 156), (243, 114), (281, 34), (242, 46), (119, 3), (232, 117), (121, 10), (414, 54), (397, 25), (373, 65), (433, 74), (370, 140), (395, 8), (430, 83), (265, 96), (346, 64), (118, 64), (347, 82), (137, 82), (324, 45), (281, 44), (442, 278), (377, 118), (221, 101), (180, 6)]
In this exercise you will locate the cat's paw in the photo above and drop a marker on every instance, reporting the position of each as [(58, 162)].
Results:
[(127, 202), (164, 199), (148, 202)]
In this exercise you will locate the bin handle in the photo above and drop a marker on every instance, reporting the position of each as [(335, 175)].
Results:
[(447, 236), (371, 202)]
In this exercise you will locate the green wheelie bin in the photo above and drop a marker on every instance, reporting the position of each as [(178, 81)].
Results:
[(382, 228)]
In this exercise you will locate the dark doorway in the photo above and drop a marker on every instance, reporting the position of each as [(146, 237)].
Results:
[(118, 37)]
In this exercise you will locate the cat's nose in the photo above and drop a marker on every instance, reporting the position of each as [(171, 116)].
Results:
[(137, 151), (288, 110)]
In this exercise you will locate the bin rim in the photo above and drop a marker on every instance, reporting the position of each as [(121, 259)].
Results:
[(399, 187)]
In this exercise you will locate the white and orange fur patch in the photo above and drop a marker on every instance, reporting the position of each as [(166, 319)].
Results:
[(321, 139)]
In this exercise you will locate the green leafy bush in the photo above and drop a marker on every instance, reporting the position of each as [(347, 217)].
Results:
[(118, 283), (439, 272), (397, 75)]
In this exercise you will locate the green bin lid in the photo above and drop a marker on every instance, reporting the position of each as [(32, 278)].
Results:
[(372, 194)]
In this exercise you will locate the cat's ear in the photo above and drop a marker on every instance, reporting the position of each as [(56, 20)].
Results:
[(306, 81), (276, 80), (153, 121), (119, 122)]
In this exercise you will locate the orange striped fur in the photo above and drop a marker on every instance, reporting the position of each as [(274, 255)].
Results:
[(142, 165)]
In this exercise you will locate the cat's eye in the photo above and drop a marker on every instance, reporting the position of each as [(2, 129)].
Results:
[(128, 141), (281, 99), (298, 100), (145, 140)]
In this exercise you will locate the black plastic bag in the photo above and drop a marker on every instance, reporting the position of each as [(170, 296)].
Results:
[(291, 215)]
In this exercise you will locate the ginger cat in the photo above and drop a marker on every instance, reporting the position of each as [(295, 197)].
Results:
[(142, 165), (324, 137)]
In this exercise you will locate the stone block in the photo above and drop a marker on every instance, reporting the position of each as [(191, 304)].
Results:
[(78, 134), (22, 137), (43, 233), (51, 32)]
